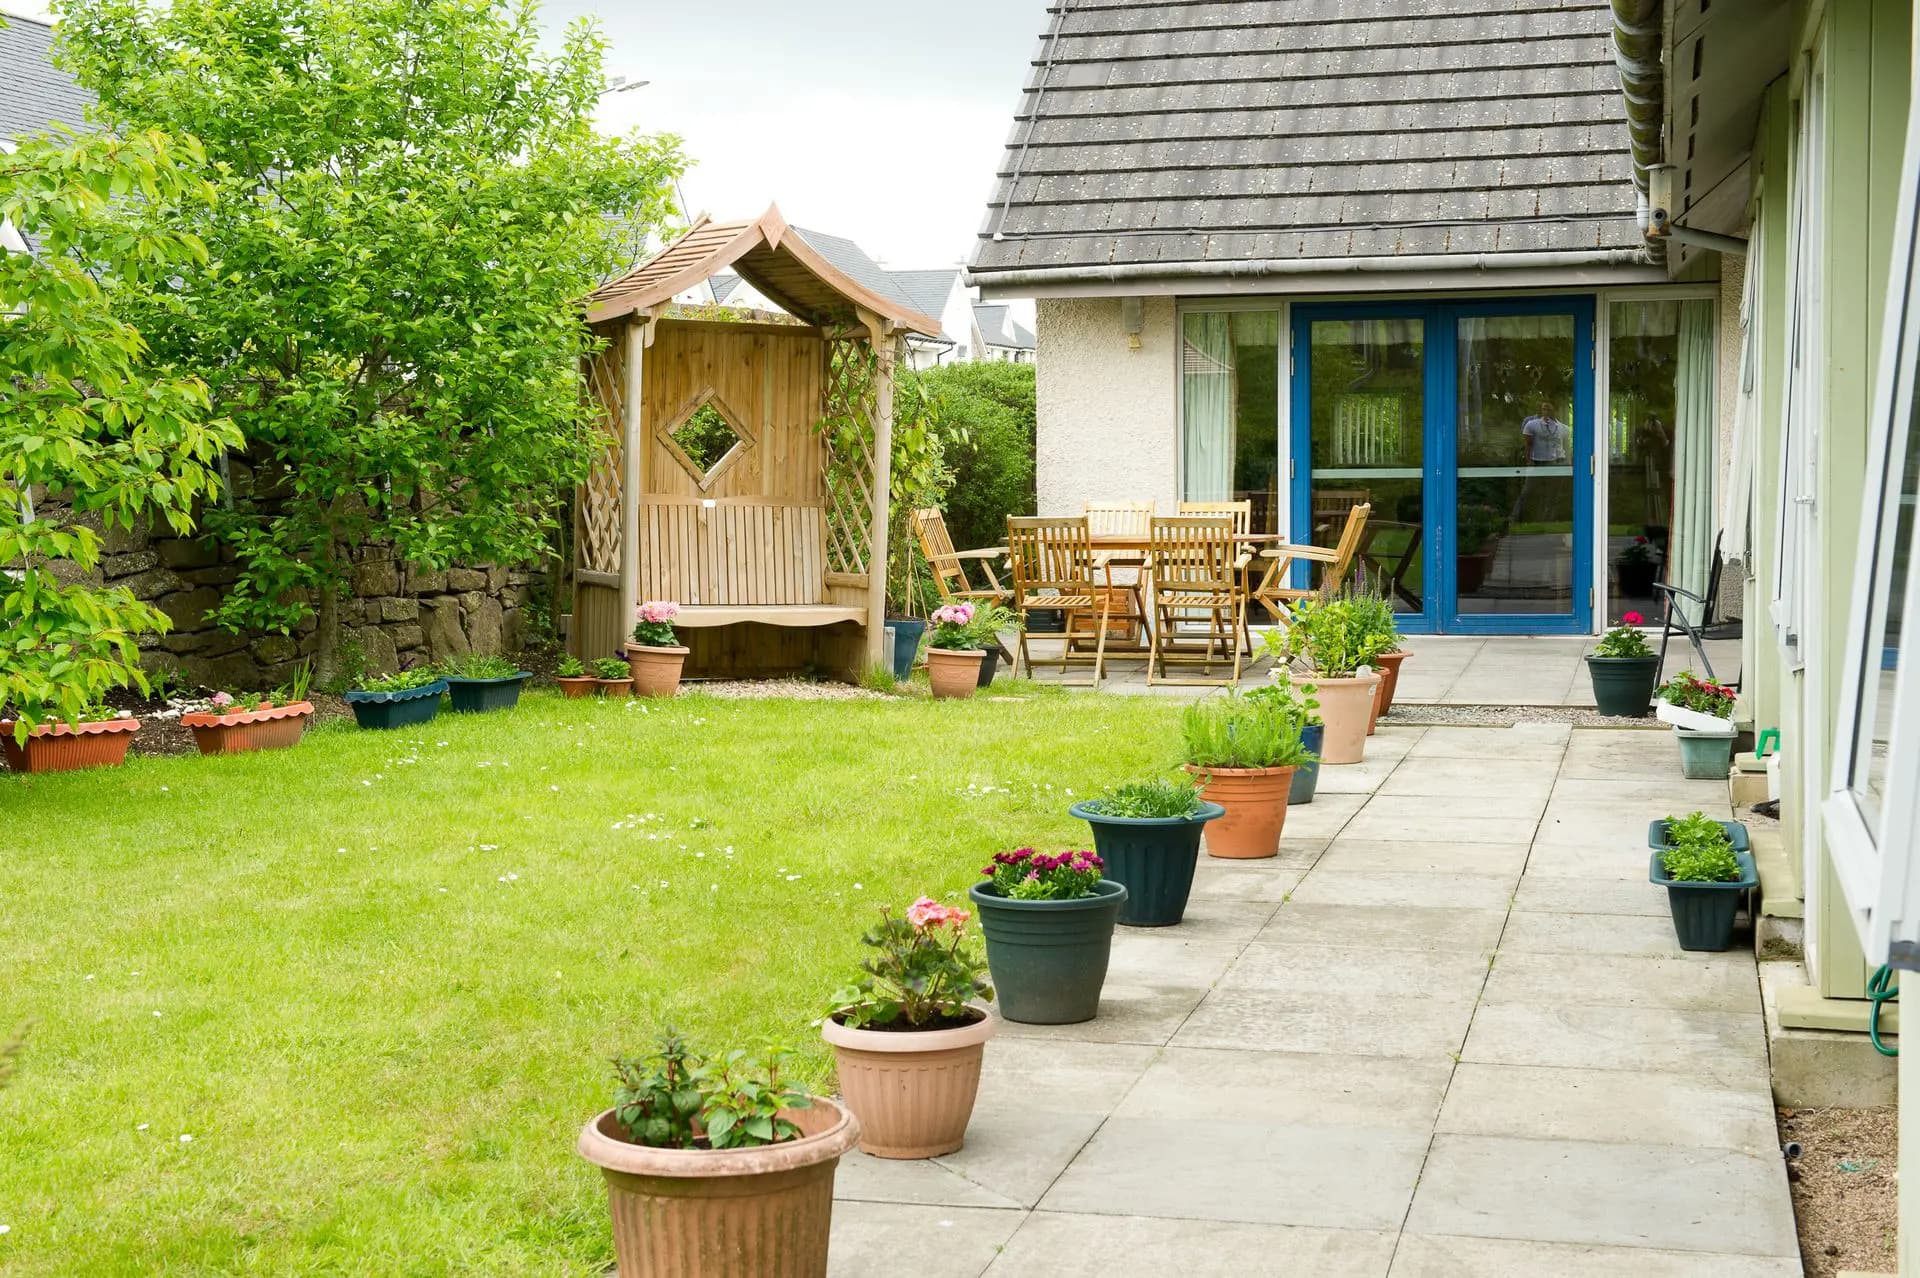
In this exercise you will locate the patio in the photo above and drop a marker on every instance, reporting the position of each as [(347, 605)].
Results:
[(1447, 1032)]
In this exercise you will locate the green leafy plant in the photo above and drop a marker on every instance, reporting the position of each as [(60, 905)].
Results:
[(235, 702), (879, 678), (1700, 851), (1236, 731), (296, 688), (1336, 637), (89, 408), (1293, 700), (404, 218), (571, 667), (921, 975), (1624, 640), (1371, 610), (1480, 526), (676, 1098), (611, 668), (989, 619), (1690, 691), (1026, 875), (1160, 798), (401, 680), (472, 665)]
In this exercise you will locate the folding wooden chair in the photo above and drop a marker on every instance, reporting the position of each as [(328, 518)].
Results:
[(1194, 566), (1134, 520), (1241, 512), (950, 566), (1052, 562), (1275, 594)]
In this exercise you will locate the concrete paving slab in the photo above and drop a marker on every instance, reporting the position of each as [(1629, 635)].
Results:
[(1322, 819), (1726, 1046), (1212, 920), (1290, 1087), (1433, 1256), (1660, 794), (1359, 972), (1530, 779), (1064, 1245), (1269, 880), (1336, 1177), (1611, 1195), (1017, 1151), (1614, 754), (1364, 856), (1606, 1105), (1330, 1021), (1638, 935), (1079, 1077), (1154, 981), (944, 1242), (1411, 888), (1546, 741), (1584, 893), (1386, 927), (1696, 983), (1614, 860), (863, 1178), (1429, 818)]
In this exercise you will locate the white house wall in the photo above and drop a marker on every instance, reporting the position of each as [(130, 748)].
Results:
[(1106, 428)]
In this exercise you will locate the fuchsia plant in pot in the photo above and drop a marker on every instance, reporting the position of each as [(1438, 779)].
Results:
[(908, 1036), (653, 657), (953, 652)]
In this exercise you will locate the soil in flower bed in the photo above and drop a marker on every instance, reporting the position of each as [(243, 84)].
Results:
[(160, 729), (1845, 1188)]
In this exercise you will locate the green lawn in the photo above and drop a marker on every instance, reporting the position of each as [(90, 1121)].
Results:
[(376, 979)]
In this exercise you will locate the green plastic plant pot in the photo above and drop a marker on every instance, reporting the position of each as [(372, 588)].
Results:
[(1623, 686), (477, 696), (1306, 776), (1049, 958), (1152, 857), (396, 709), (1705, 756), (906, 643), (1736, 835), (1703, 913)]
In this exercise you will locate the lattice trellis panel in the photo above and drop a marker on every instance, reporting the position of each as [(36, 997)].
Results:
[(599, 533), (848, 428)]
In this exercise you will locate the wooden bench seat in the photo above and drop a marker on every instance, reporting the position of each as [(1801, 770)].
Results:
[(799, 615)]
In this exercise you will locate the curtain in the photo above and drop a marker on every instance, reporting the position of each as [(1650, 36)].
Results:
[(1736, 511), (1207, 406), (1695, 432)]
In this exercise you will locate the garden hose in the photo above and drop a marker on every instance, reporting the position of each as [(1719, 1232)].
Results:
[(1881, 990)]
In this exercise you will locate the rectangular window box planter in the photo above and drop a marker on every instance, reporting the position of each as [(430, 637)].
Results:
[(396, 709), (68, 747), (478, 696), (1694, 720), (1736, 834), (269, 727), (1703, 913)]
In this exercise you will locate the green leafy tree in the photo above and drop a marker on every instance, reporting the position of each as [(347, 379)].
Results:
[(989, 408), (87, 412), (410, 204)]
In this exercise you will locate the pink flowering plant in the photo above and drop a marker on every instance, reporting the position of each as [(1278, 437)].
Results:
[(953, 628), (922, 975), (1625, 639), (653, 624), (1026, 875)]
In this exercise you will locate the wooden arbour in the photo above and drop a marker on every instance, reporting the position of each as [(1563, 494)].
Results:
[(777, 552)]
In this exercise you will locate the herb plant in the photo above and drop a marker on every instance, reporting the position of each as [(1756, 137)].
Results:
[(611, 668), (989, 619), (1237, 731), (920, 976), (1690, 691), (653, 623), (472, 665), (1624, 640), (1701, 852), (1337, 637), (571, 668), (676, 1098), (1294, 701), (401, 681), (1026, 875), (1148, 800)]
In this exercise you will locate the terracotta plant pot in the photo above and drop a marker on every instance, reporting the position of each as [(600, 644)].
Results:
[(912, 1090), (1255, 800), (1374, 709), (613, 687), (66, 747), (656, 671), (1389, 663), (1345, 707), (954, 672), (270, 727), (763, 1212), (576, 685)]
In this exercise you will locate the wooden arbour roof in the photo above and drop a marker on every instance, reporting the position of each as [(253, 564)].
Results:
[(768, 254)]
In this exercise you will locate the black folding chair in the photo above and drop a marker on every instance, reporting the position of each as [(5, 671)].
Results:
[(1710, 625)]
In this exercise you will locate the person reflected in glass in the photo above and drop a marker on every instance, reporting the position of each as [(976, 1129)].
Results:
[(1547, 438)]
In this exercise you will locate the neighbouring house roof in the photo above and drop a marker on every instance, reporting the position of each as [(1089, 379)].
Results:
[(723, 286), (1212, 136), (998, 327), (781, 262), (928, 291), (34, 93)]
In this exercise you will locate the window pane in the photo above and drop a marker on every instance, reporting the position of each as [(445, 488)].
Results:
[(1882, 656), (1230, 410)]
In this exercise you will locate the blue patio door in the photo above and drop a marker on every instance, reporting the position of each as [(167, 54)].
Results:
[(1467, 428)]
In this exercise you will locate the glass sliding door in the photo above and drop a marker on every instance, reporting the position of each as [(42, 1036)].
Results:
[(1366, 426), (1230, 410)]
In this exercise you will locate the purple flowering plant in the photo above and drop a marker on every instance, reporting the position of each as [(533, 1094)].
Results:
[(1026, 875)]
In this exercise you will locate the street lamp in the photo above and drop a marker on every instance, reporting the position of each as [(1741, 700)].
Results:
[(620, 84)]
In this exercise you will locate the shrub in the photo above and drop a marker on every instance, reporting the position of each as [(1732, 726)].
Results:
[(1236, 731), (1148, 800), (1026, 875), (676, 1098), (990, 411), (921, 975), (1624, 640), (1701, 852)]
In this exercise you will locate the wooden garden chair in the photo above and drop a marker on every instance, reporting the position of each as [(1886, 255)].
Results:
[(1241, 512), (949, 566), (1276, 595), (1052, 565), (1134, 520), (1196, 568)]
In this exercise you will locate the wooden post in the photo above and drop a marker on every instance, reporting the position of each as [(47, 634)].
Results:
[(631, 446), (880, 335)]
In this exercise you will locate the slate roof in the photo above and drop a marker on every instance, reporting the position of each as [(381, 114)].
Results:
[(1239, 130), (33, 92), (999, 328), (927, 290)]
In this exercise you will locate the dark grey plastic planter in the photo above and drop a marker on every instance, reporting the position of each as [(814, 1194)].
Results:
[(1736, 834), (1049, 958), (1623, 686), (1154, 857), (906, 643), (396, 709), (1705, 756), (1703, 913), (477, 696), (1306, 776), (988, 666)]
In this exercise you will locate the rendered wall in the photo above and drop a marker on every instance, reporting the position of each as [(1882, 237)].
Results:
[(1107, 429)]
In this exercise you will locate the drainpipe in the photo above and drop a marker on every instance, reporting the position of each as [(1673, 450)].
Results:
[(1636, 53)]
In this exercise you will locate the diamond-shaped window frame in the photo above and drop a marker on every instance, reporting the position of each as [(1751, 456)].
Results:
[(744, 437)]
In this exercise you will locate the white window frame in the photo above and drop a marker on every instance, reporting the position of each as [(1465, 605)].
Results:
[(1878, 871), (1805, 384)]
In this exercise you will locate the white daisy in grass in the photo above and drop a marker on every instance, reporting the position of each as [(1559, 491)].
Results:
[(186, 1139)]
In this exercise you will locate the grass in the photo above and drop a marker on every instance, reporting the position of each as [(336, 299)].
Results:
[(377, 979)]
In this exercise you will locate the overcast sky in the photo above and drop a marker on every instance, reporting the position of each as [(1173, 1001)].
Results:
[(880, 122)]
